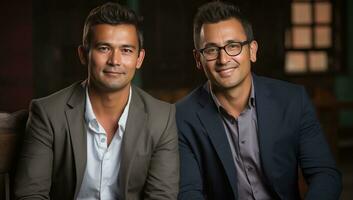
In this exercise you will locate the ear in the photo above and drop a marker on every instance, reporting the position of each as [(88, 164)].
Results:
[(197, 59), (82, 54), (253, 50), (140, 58)]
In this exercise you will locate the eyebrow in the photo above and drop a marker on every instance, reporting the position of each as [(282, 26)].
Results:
[(212, 44), (110, 45), (128, 46), (102, 44)]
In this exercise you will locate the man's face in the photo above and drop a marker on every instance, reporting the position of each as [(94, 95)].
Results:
[(226, 72), (113, 57)]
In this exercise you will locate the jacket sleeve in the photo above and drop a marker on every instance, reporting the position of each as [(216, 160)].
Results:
[(163, 175), (191, 186), (34, 168), (317, 163), (191, 183)]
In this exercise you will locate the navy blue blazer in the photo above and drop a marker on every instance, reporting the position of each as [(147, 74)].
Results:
[(289, 136)]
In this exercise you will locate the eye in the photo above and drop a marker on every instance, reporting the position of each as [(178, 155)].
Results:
[(211, 50), (103, 48), (127, 50), (233, 46)]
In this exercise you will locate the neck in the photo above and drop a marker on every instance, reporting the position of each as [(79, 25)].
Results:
[(108, 104), (234, 100)]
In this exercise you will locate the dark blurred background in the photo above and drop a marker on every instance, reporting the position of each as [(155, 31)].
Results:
[(309, 42)]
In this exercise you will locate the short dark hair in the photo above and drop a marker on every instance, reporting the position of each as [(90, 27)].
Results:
[(113, 14), (217, 11)]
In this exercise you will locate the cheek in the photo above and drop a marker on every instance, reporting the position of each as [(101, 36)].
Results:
[(244, 60), (92, 70), (207, 66), (209, 71), (95, 67), (98, 59), (130, 62)]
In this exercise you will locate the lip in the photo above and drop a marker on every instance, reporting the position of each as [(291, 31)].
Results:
[(226, 72), (113, 72)]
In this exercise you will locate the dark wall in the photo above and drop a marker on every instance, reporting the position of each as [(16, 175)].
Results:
[(167, 27), (41, 39), (57, 32), (169, 61), (344, 82), (16, 82)]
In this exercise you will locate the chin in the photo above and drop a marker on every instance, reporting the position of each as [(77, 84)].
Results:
[(110, 87), (115, 88), (227, 84)]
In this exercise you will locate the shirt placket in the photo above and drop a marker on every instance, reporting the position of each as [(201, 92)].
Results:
[(233, 124), (248, 158), (240, 142), (101, 144)]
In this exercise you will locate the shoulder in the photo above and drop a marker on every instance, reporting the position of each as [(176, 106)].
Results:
[(188, 107), (278, 88), (191, 100), (285, 95), (151, 104), (159, 115), (278, 85), (58, 100), (50, 111)]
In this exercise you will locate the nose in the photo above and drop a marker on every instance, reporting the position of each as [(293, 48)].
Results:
[(223, 57), (114, 58)]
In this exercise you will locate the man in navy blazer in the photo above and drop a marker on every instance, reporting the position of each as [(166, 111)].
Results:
[(243, 136)]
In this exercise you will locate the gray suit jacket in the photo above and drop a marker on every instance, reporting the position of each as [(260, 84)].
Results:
[(53, 158)]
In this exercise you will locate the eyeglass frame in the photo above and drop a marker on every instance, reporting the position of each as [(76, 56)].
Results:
[(224, 48)]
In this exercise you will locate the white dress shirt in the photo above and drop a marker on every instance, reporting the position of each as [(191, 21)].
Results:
[(103, 162)]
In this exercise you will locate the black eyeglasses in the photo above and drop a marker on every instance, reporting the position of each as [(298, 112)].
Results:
[(232, 49)]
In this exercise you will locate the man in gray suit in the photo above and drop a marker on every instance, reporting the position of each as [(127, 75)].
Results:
[(102, 138)]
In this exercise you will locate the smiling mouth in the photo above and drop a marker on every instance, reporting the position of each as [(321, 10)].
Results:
[(226, 72), (113, 72)]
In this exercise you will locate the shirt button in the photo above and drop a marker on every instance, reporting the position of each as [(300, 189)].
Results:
[(102, 140), (243, 142)]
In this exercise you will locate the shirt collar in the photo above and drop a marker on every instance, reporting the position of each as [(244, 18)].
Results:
[(123, 117), (91, 119)]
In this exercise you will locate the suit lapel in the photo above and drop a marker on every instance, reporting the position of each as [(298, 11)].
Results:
[(135, 127), (268, 119), (77, 129), (212, 122)]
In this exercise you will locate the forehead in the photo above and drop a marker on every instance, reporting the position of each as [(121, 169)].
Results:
[(221, 32), (121, 33)]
